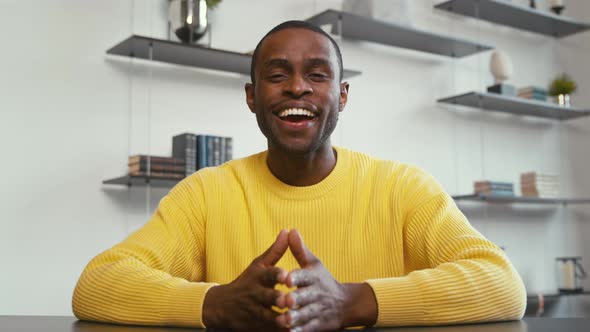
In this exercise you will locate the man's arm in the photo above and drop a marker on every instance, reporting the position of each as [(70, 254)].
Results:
[(145, 279), (455, 274)]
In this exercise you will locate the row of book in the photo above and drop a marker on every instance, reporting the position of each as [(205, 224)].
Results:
[(494, 188), (533, 184), (190, 152), (533, 92), (156, 166), (200, 151)]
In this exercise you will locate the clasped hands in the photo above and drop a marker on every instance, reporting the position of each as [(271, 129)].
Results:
[(320, 303)]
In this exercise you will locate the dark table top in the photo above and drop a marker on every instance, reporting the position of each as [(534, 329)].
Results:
[(70, 324)]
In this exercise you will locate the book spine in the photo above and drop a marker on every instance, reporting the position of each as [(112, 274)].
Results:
[(217, 151), (201, 151), (210, 149), (229, 149), (222, 150), (143, 167)]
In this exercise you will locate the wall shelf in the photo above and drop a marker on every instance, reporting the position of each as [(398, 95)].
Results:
[(142, 181), (189, 55), (517, 199), (516, 16), (364, 28), (521, 106)]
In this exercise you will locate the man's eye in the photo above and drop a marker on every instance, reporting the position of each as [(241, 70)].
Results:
[(276, 77), (318, 76)]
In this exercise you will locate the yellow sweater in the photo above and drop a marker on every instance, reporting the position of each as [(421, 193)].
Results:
[(382, 222)]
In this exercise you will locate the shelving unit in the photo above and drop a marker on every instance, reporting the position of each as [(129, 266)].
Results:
[(516, 16), (517, 199), (363, 28), (189, 55), (142, 181), (520, 106)]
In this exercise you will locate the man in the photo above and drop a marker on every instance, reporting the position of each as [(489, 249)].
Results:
[(394, 248)]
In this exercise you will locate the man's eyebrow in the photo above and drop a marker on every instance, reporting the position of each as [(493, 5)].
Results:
[(276, 62), (319, 62)]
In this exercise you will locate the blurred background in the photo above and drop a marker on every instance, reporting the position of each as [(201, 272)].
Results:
[(71, 115)]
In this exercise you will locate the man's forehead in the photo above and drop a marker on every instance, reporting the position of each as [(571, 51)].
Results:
[(312, 44)]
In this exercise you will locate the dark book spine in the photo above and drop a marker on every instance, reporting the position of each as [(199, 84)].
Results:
[(217, 151), (210, 150), (201, 151), (229, 148), (184, 146), (222, 150)]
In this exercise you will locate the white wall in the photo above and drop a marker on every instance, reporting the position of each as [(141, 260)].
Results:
[(70, 115)]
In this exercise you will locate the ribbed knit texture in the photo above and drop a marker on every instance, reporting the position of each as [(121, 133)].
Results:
[(382, 222)]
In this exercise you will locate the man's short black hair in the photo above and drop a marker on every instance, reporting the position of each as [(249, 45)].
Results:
[(298, 25)]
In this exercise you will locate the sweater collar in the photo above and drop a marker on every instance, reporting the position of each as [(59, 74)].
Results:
[(288, 192)]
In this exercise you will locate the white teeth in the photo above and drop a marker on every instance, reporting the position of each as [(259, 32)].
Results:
[(296, 111)]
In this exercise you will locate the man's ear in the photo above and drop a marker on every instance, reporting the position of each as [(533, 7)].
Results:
[(249, 87), (343, 95)]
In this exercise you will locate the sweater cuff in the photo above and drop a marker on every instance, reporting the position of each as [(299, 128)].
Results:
[(185, 306), (399, 301)]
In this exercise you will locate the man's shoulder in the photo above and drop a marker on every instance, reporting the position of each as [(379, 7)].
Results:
[(361, 161), (228, 169)]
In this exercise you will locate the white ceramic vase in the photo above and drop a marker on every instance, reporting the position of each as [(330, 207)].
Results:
[(500, 66)]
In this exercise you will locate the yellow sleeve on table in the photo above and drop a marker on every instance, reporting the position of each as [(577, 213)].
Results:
[(455, 274), (133, 282)]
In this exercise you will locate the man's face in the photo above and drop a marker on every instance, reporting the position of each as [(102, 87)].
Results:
[(297, 95)]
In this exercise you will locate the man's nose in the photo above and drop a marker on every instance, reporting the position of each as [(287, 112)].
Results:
[(298, 86)]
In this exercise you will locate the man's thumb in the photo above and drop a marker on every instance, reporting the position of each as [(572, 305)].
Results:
[(299, 250), (274, 253)]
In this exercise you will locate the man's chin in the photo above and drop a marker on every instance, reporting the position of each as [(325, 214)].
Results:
[(297, 148)]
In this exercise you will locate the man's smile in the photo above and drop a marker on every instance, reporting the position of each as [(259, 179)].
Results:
[(296, 118)]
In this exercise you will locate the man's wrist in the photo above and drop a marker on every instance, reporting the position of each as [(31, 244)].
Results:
[(210, 314), (361, 305)]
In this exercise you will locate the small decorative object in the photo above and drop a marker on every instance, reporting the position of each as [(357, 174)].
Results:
[(556, 6), (570, 274), (561, 88), (188, 19), (501, 68)]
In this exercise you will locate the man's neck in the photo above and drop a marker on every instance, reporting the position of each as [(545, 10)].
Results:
[(302, 170)]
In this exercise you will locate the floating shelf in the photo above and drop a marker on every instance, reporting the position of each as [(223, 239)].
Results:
[(189, 55), (516, 16), (517, 199), (521, 106), (141, 181), (364, 28)]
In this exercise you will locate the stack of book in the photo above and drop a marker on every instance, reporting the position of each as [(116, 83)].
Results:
[(493, 188), (533, 92), (200, 151), (156, 166), (533, 184)]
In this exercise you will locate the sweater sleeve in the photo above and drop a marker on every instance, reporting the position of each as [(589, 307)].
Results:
[(453, 274), (152, 277)]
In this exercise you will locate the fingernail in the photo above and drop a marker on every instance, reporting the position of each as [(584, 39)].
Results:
[(293, 317)]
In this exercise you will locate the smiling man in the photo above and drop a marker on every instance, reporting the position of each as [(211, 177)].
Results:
[(384, 244)]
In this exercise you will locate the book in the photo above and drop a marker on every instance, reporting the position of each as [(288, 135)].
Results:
[(159, 175), (142, 167), (184, 146), (210, 149), (229, 149), (534, 89), (201, 151), (155, 159)]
